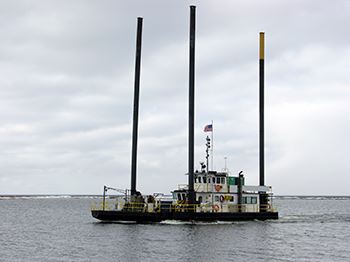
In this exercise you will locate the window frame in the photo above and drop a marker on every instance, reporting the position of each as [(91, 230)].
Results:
[(222, 180)]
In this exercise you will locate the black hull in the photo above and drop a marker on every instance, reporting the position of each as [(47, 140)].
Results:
[(142, 217)]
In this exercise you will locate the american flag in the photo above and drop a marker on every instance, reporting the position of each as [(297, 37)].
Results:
[(208, 128)]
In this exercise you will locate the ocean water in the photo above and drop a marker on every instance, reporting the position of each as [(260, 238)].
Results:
[(62, 229)]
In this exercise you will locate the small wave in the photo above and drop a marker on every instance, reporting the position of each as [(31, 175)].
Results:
[(200, 223), (321, 218), (114, 222), (175, 222)]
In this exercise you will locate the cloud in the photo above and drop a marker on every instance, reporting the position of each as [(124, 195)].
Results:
[(67, 88)]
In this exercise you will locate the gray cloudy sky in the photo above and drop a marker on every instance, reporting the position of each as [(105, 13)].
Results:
[(66, 90)]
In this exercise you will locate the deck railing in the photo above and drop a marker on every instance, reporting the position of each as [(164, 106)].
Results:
[(121, 205)]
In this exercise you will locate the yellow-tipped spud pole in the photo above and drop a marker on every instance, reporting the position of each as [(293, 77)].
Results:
[(263, 197), (261, 110)]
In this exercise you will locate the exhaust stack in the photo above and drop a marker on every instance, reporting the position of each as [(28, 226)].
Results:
[(136, 105)]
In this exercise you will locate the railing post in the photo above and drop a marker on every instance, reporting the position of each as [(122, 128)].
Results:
[(104, 198)]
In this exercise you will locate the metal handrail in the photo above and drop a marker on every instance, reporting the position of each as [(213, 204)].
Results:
[(180, 207)]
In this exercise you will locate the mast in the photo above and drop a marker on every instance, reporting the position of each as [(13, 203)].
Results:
[(261, 110), (191, 193), (136, 105)]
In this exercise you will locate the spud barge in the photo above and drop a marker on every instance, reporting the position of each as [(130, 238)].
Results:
[(209, 195)]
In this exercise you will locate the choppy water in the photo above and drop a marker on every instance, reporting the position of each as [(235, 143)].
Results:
[(62, 229)]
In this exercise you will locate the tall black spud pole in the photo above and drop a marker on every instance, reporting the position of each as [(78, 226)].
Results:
[(191, 194), (263, 197), (261, 110), (136, 105)]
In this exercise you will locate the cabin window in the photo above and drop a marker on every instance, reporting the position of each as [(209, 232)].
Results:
[(249, 200), (216, 198), (199, 179), (209, 180), (218, 180), (204, 180), (183, 196), (200, 199), (179, 196), (222, 180)]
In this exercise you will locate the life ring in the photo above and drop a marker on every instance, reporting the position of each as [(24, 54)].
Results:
[(222, 198), (218, 187), (216, 208)]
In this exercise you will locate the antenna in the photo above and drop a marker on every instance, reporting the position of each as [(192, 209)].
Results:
[(207, 153)]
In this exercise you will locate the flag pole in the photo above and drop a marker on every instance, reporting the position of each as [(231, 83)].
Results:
[(212, 145)]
